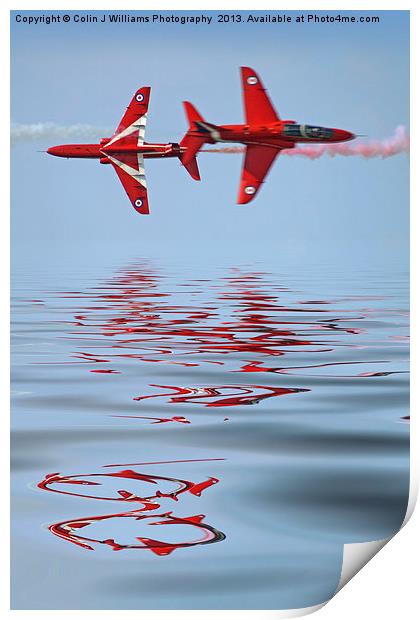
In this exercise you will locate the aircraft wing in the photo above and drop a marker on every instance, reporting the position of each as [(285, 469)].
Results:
[(257, 163), (130, 170), (134, 119), (257, 104)]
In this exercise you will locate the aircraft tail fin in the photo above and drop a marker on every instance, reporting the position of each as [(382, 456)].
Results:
[(192, 114), (196, 135), (192, 168)]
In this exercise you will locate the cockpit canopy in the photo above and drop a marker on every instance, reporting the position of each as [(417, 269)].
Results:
[(307, 131)]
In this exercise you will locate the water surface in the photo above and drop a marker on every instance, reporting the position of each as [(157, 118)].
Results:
[(203, 436)]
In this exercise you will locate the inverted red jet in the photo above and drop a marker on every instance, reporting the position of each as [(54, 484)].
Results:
[(126, 151), (264, 134)]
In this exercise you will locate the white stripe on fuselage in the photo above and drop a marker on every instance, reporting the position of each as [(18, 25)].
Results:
[(214, 133)]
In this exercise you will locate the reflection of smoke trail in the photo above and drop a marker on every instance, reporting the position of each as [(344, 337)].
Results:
[(21, 133), (398, 143)]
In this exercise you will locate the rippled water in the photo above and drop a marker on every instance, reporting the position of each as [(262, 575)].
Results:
[(189, 437)]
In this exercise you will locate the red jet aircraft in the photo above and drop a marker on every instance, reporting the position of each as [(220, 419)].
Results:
[(264, 134), (126, 151)]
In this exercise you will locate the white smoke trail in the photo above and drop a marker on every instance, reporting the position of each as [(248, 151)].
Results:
[(39, 132), (398, 143)]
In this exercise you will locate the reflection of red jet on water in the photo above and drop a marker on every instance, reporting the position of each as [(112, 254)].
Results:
[(126, 151), (264, 134)]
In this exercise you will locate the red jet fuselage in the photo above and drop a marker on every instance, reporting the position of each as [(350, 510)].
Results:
[(101, 150), (264, 134), (281, 134), (126, 151)]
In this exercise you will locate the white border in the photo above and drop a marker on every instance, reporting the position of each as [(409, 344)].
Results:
[(387, 587)]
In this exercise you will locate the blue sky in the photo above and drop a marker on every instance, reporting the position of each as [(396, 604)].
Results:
[(353, 76)]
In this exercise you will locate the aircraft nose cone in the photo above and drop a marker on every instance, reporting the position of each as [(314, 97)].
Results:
[(342, 135), (59, 151)]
